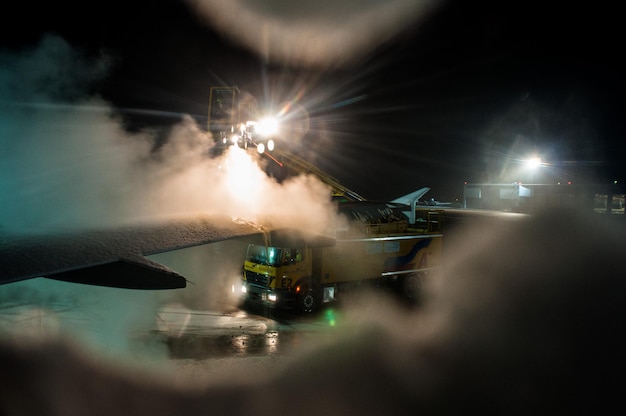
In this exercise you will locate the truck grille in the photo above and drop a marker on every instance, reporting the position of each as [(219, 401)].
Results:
[(257, 279)]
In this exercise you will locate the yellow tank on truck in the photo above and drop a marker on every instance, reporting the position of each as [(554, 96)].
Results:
[(373, 258)]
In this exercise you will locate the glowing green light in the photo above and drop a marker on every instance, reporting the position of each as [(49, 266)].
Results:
[(331, 317)]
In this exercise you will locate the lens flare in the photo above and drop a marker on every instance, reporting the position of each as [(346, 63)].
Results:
[(267, 126)]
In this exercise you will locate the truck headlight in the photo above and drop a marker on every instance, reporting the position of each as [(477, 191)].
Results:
[(271, 297)]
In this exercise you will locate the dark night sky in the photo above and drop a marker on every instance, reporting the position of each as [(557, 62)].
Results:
[(451, 99)]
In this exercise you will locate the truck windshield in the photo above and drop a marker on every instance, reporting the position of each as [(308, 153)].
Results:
[(271, 256)]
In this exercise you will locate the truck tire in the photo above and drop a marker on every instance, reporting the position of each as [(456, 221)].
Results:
[(411, 287), (309, 299)]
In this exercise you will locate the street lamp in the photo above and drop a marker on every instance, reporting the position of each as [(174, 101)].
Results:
[(532, 165)]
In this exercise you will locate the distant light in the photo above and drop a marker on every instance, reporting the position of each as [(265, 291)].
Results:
[(270, 145), (260, 148), (534, 162)]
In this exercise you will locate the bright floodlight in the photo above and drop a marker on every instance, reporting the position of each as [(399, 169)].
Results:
[(534, 162), (267, 126)]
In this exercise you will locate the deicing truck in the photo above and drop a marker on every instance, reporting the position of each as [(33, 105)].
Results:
[(384, 246)]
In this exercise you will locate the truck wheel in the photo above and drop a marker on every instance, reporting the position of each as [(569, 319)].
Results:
[(309, 300), (411, 287)]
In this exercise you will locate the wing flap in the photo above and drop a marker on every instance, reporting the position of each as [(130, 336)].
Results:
[(139, 273)]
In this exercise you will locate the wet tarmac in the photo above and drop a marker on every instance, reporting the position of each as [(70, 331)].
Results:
[(200, 335), (184, 333), (191, 348)]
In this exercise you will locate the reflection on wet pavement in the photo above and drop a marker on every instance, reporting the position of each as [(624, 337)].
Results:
[(201, 335), (202, 347), (172, 331)]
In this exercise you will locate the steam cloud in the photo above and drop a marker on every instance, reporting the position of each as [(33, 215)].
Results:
[(66, 160)]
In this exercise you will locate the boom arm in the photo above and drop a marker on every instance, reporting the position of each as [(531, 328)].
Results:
[(299, 165)]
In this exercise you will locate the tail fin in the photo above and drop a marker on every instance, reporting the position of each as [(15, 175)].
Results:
[(411, 200)]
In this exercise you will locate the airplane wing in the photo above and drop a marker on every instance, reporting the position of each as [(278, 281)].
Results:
[(111, 257)]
